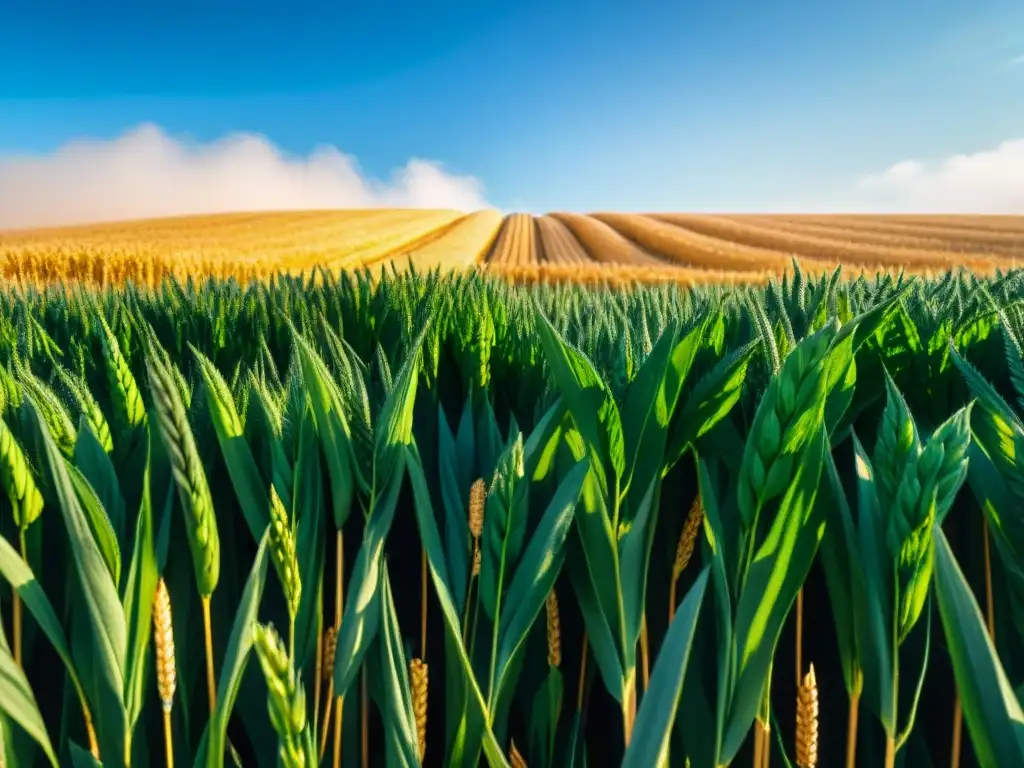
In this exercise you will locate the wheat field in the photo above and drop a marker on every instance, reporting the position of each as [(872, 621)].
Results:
[(598, 247)]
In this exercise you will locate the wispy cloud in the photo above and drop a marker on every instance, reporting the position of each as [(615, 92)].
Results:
[(1016, 61), (146, 173), (988, 181)]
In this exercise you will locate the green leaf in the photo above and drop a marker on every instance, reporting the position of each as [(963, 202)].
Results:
[(648, 408), (361, 618), (504, 528), (991, 709), (591, 404), (431, 539), (96, 516), (536, 574), (241, 465), (332, 428), (776, 574), (898, 443), (710, 401), (236, 657), (543, 442), (18, 574), (399, 718), (143, 575), (81, 758), (653, 727), (456, 519), (96, 467), (634, 565), (875, 631), (844, 578), (101, 606), (308, 514), (17, 699)]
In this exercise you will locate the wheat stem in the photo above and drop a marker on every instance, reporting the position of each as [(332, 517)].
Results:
[(327, 674), (990, 608), (851, 731), (364, 714), (583, 675), (339, 711), (16, 607), (958, 726), (339, 601), (799, 642), (423, 603), (90, 731), (317, 682), (629, 710), (328, 707), (211, 686), (990, 623), (645, 667), (168, 740)]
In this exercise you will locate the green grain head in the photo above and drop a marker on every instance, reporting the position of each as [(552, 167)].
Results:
[(129, 409), (788, 415), (189, 476), (18, 482), (282, 551), (929, 481), (286, 700)]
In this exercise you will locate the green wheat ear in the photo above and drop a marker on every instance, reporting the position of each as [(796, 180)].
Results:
[(129, 410), (286, 700), (17, 480), (282, 551), (189, 476)]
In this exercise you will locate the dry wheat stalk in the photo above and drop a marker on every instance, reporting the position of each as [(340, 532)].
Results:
[(807, 722), (418, 679)]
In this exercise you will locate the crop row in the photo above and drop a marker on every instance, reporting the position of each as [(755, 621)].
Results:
[(443, 519)]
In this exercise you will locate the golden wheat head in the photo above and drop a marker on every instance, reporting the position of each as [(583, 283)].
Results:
[(330, 646), (688, 538), (807, 722), (477, 497), (418, 680), (163, 640), (554, 630)]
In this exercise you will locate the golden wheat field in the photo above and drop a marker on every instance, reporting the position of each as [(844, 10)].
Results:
[(597, 247)]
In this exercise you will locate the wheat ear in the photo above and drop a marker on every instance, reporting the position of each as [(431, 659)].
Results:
[(166, 673), (286, 701), (684, 550), (554, 630), (807, 722), (418, 679), (327, 676)]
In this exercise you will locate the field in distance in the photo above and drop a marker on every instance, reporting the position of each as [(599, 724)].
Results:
[(678, 247)]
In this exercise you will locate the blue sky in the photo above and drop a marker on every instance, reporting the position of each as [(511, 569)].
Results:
[(552, 106)]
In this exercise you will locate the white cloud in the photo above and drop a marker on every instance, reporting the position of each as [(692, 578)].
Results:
[(1016, 61), (146, 173), (989, 181)]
